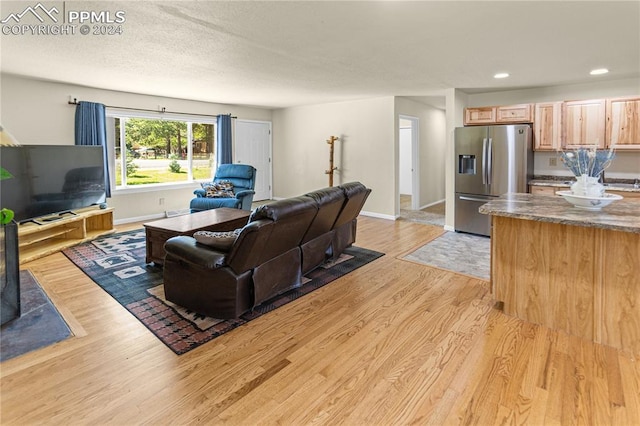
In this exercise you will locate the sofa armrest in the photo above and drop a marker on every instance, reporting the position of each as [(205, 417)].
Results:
[(188, 250), (199, 192)]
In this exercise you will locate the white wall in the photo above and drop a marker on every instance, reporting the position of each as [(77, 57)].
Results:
[(366, 152), (37, 112), (456, 101)]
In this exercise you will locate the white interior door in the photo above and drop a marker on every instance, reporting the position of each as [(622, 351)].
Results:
[(253, 147)]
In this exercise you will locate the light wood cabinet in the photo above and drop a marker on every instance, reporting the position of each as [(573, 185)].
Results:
[(583, 123), (544, 190), (600, 123), (623, 123), (515, 113), (482, 115), (547, 128), (36, 241), (579, 279), (522, 113)]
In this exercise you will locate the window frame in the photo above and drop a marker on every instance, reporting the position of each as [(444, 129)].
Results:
[(123, 114)]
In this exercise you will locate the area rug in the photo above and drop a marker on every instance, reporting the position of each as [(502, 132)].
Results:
[(117, 264), (458, 252), (39, 323)]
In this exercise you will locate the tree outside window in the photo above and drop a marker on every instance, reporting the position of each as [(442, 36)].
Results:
[(158, 151)]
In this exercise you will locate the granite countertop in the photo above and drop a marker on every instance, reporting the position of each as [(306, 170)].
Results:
[(622, 215), (622, 185)]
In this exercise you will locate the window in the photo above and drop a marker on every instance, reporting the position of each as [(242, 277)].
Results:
[(156, 149)]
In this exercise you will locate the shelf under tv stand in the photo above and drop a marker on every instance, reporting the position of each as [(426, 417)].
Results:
[(39, 240)]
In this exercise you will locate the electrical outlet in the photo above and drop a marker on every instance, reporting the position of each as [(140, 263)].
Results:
[(161, 201), (553, 161)]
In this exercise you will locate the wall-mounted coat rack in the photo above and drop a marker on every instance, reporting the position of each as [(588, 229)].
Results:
[(331, 141)]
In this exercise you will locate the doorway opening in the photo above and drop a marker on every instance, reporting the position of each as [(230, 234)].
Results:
[(408, 181), (409, 176)]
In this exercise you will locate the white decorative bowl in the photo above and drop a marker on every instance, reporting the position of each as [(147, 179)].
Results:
[(589, 203)]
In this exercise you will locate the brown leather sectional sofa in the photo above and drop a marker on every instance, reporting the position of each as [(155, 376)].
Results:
[(281, 242)]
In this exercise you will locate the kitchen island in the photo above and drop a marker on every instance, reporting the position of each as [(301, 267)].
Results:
[(568, 269)]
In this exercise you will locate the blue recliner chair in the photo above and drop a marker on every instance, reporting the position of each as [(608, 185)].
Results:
[(243, 178)]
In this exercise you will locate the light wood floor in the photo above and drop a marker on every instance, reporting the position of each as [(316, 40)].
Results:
[(391, 343)]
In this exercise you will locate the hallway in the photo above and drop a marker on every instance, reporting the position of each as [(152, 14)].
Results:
[(432, 215)]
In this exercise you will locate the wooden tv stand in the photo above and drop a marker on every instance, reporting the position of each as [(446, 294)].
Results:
[(39, 240)]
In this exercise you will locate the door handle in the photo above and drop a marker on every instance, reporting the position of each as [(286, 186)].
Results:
[(484, 200), (490, 162), (484, 161)]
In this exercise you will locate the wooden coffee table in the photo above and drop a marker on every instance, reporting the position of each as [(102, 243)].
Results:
[(159, 231)]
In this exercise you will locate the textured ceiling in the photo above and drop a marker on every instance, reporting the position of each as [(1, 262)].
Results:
[(278, 54)]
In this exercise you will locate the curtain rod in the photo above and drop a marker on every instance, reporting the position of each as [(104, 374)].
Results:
[(163, 110)]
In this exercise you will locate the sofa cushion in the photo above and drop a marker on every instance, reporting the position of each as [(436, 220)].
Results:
[(285, 209), (330, 201), (356, 195), (222, 241)]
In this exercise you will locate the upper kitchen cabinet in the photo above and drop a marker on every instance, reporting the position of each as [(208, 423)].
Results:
[(583, 123), (515, 114), (498, 114), (547, 126), (481, 115), (623, 123)]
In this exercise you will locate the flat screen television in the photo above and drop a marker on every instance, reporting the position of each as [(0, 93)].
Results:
[(51, 181)]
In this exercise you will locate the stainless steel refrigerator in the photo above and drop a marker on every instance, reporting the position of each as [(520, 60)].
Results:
[(490, 161)]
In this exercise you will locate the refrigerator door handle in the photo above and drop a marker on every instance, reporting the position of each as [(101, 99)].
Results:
[(484, 200), (484, 161), (490, 162)]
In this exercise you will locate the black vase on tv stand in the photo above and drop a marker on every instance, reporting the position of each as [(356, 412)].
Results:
[(9, 273)]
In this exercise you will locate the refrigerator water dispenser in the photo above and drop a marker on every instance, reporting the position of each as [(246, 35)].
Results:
[(467, 164)]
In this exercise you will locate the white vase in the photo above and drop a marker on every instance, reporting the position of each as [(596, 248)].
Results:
[(587, 186)]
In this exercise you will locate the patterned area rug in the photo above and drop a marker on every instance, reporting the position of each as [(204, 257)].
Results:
[(116, 263), (39, 324), (458, 252)]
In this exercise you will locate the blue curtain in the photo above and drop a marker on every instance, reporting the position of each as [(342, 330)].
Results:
[(91, 129), (223, 149)]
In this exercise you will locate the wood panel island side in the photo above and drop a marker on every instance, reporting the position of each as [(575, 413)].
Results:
[(567, 268)]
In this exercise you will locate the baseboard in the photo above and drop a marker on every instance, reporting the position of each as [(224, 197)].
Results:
[(378, 215), (449, 228), (432, 204), (139, 218), (174, 213)]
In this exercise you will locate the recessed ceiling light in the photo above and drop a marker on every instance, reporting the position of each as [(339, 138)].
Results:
[(599, 71), (501, 75)]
